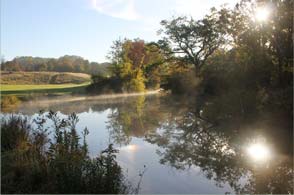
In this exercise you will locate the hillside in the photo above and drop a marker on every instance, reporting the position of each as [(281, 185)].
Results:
[(65, 63), (41, 78)]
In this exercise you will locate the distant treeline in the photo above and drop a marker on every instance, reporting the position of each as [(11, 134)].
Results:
[(63, 64)]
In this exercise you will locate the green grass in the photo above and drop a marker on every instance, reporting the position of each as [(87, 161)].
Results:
[(49, 89), (42, 78)]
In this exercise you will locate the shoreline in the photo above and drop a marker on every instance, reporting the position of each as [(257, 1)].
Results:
[(72, 98)]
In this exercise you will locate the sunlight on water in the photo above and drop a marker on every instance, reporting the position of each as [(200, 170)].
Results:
[(130, 148), (258, 152)]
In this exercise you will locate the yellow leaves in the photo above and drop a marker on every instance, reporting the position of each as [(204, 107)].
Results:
[(136, 82), (136, 65), (126, 70), (133, 78)]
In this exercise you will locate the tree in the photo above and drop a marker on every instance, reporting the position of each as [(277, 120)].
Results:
[(116, 56), (280, 37), (194, 40), (11, 66), (271, 39), (137, 64), (63, 64)]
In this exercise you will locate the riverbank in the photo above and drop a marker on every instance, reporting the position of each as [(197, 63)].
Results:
[(67, 98), (10, 102)]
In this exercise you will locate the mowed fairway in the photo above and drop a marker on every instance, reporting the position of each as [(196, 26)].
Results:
[(38, 87), (50, 88), (42, 78), (22, 83)]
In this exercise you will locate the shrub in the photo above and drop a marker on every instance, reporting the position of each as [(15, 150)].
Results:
[(182, 83), (32, 163), (135, 83), (104, 85), (9, 102)]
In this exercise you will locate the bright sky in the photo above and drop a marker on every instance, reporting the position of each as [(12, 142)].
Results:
[(53, 28)]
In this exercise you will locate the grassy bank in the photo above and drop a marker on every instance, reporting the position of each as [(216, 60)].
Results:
[(42, 78), (24, 83), (50, 88)]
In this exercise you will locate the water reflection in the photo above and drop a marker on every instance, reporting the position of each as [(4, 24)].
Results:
[(228, 148), (186, 138), (130, 148)]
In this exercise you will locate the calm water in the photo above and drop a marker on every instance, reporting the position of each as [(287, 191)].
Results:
[(184, 151)]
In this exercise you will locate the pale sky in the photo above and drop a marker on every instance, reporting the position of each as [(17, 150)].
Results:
[(87, 28)]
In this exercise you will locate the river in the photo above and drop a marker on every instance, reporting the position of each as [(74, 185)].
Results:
[(179, 148)]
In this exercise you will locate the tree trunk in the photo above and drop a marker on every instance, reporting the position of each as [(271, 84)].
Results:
[(280, 71), (197, 70)]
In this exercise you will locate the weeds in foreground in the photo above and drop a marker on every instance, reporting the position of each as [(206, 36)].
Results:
[(34, 162)]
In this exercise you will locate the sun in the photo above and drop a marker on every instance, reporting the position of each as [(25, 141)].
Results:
[(258, 151), (262, 14)]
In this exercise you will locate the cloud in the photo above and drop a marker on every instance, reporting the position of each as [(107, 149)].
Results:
[(123, 9), (148, 13), (198, 8)]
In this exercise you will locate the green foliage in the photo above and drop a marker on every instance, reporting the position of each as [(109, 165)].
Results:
[(34, 163), (128, 58), (182, 83), (194, 40), (253, 66), (104, 85), (136, 65)]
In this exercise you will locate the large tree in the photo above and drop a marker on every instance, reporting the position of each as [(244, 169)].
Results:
[(270, 40), (136, 63), (195, 40)]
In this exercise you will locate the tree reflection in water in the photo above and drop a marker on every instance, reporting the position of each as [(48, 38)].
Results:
[(218, 145), (126, 121)]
